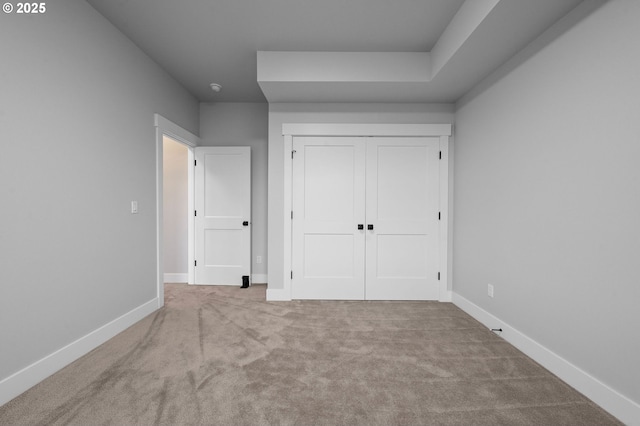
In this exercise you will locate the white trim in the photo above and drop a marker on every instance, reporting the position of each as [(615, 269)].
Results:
[(448, 296), (444, 238), (609, 399), (258, 278), (450, 209), (278, 295), (368, 129), (176, 132), (168, 128), (31, 375), (219, 285), (159, 218), (288, 222), (191, 223), (176, 277), (443, 131)]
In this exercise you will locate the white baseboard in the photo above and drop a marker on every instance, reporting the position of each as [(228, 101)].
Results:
[(258, 278), (31, 375), (255, 279), (170, 277), (282, 295), (278, 295), (220, 285), (614, 402), (447, 297)]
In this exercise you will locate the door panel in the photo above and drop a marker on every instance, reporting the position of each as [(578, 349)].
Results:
[(328, 203), (401, 174), (402, 206), (224, 197), (329, 256), (329, 183), (223, 203), (402, 256)]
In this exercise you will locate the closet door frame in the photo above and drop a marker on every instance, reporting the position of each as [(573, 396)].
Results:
[(442, 131)]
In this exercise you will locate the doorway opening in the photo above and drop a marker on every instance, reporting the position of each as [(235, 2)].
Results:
[(175, 195), (167, 130)]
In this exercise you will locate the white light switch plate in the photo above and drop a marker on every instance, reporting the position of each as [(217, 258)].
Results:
[(134, 207)]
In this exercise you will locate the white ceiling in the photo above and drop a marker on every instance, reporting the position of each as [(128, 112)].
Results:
[(204, 41)]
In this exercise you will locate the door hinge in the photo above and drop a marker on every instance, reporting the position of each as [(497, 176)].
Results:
[(440, 157), (438, 215), (195, 263), (195, 213), (291, 214), (195, 162), (291, 274), (438, 276), (293, 151)]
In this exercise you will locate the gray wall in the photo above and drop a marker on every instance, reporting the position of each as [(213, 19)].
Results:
[(175, 207), (326, 113), (244, 124), (78, 145), (547, 193)]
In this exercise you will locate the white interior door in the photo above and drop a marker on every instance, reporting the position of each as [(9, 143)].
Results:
[(390, 187), (402, 210), (222, 215), (328, 206)]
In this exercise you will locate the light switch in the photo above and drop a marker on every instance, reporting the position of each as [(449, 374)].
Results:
[(134, 207)]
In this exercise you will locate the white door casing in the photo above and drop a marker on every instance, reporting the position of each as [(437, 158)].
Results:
[(222, 215), (386, 186), (290, 131)]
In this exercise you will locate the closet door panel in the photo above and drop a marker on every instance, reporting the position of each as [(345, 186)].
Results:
[(402, 208), (328, 205)]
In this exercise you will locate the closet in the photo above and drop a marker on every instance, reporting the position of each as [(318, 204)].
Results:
[(365, 214)]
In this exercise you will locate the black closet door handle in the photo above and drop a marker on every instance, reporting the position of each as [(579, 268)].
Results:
[(360, 226), (370, 227), (245, 223)]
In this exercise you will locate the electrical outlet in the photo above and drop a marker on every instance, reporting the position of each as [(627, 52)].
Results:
[(258, 259), (489, 290), (134, 207)]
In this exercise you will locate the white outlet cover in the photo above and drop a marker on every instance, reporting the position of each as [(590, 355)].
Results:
[(134, 207)]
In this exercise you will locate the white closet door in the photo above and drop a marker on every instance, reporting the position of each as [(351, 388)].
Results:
[(223, 215), (328, 205), (402, 208)]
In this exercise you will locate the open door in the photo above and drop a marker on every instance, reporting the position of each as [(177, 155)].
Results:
[(222, 215)]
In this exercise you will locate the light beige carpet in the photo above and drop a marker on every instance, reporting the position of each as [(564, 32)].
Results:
[(224, 356)]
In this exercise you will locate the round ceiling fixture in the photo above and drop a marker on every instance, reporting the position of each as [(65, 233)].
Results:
[(215, 87)]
